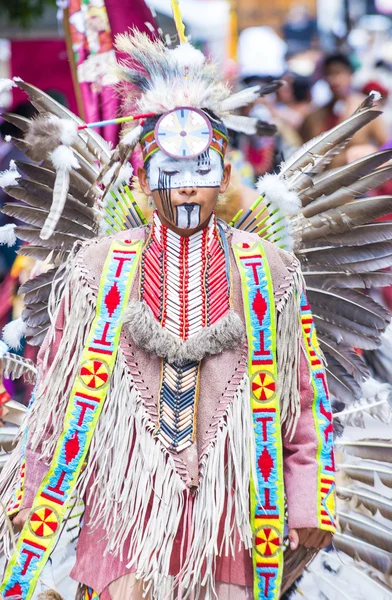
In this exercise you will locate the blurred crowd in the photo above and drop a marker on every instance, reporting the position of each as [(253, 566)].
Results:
[(321, 87)]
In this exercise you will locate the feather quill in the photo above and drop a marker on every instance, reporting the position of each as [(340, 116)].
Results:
[(338, 220), (309, 153), (16, 366)]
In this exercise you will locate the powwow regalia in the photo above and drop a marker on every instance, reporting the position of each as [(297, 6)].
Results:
[(181, 389)]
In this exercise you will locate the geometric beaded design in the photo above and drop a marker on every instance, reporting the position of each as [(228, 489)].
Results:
[(322, 416), (267, 505), (186, 283), (85, 405)]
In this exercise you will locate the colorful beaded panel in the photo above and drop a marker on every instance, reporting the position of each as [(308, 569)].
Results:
[(267, 492), (186, 283), (322, 415), (85, 405), (149, 144), (178, 404)]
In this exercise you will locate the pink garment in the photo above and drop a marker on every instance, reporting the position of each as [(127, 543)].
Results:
[(221, 372), (47, 68)]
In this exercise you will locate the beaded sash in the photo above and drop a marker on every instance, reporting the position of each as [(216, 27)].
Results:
[(88, 394), (266, 490)]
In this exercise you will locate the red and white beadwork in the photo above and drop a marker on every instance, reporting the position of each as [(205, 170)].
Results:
[(185, 282)]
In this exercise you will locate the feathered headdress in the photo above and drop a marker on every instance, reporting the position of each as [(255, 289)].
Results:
[(164, 79)]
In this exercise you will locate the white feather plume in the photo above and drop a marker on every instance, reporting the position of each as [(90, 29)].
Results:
[(13, 333), (63, 159), (376, 95), (3, 349), (132, 136), (242, 98), (6, 85), (277, 192), (7, 235), (69, 132), (247, 125), (125, 174), (186, 56), (10, 176)]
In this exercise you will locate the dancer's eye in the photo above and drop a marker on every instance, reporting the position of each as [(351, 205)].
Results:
[(204, 171), (170, 172)]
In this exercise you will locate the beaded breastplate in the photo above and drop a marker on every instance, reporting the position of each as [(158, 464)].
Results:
[(186, 283)]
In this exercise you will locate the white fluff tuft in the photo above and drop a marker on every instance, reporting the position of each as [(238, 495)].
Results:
[(3, 349), (376, 95), (371, 388), (125, 174), (132, 136), (8, 138), (186, 55), (6, 85), (63, 159), (242, 98), (7, 235), (10, 176), (69, 132), (13, 333), (277, 192)]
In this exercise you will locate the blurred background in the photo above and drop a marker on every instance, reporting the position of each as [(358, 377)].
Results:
[(330, 53)]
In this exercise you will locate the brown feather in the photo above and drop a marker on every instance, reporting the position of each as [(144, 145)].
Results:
[(90, 144), (79, 187), (373, 556), (328, 182), (337, 220), (325, 281), (37, 216), (58, 241), (346, 193)]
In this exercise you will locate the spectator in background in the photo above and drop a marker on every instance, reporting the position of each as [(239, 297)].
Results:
[(338, 72), (293, 101), (300, 29)]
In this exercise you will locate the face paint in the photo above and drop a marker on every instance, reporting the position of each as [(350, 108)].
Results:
[(164, 187), (188, 216), (203, 171)]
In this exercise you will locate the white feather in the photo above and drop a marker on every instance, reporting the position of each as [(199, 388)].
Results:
[(277, 192), (8, 138), (125, 174), (63, 159), (60, 191), (3, 348), (7, 235), (185, 55), (132, 136), (242, 98), (376, 96), (10, 176), (13, 333), (69, 131), (371, 388), (6, 85), (247, 125)]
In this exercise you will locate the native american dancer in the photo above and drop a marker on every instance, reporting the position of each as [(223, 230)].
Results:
[(181, 391)]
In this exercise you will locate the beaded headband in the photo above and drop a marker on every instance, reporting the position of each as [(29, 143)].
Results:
[(183, 133)]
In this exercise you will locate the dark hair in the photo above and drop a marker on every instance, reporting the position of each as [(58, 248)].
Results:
[(301, 88), (337, 58)]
